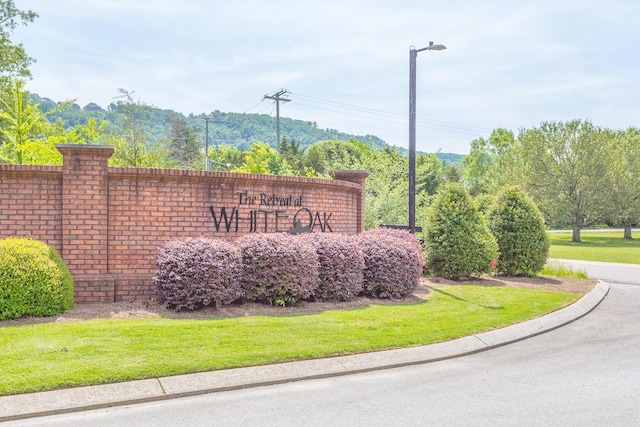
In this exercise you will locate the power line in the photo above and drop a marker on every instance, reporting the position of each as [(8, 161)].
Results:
[(371, 113)]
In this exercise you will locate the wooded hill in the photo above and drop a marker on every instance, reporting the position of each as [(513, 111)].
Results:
[(238, 129)]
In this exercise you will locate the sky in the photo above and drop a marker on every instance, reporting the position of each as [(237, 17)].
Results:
[(345, 63)]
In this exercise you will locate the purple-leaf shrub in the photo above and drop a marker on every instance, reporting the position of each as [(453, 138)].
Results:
[(279, 268), (196, 272), (341, 266), (393, 262)]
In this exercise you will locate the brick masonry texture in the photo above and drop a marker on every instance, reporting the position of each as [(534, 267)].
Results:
[(109, 223)]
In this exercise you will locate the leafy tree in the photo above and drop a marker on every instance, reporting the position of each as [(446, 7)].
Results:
[(14, 61), (430, 173), (386, 190), (24, 128), (263, 159), (486, 166), (518, 227), (622, 179), (458, 243), (133, 147), (295, 156), (225, 157), (88, 133), (334, 154), (562, 165), (184, 147)]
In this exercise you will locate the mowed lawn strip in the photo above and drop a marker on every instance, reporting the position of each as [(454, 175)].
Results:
[(53, 355), (604, 246)]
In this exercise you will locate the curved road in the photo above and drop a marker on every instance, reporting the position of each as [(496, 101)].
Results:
[(584, 374)]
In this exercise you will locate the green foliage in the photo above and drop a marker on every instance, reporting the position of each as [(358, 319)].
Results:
[(563, 166), (484, 203), (33, 280), (225, 157), (518, 227), (489, 162), (386, 195), (24, 129), (14, 61), (263, 159), (458, 243), (134, 147), (622, 179), (295, 156), (183, 144), (324, 156)]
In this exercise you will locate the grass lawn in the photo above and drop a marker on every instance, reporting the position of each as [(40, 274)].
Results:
[(595, 246), (53, 355)]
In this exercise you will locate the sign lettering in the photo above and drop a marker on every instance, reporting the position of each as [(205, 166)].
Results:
[(269, 213)]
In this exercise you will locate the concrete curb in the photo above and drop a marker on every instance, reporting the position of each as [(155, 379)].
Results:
[(83, 398)]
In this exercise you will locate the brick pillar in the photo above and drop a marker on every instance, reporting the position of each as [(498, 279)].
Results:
[(357, 177), (85, 191)]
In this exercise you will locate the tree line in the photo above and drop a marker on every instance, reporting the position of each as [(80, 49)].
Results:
[(579, 174)]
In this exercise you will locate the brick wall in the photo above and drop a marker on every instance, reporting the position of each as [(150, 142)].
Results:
[(108, 223)]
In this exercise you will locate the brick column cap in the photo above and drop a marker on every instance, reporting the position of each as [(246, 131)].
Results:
[(355, 176), (103, 150)]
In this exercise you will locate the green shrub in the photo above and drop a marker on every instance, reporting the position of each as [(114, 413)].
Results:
[(458, 243), (518, 227), (33, 280), (484, 203)]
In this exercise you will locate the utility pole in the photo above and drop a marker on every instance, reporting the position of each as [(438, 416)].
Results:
[(278, 97), (206, 148), (206, 119)]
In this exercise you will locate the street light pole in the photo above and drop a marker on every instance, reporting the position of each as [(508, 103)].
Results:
[(413, 54)]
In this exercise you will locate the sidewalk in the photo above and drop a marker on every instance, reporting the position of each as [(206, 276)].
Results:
[(83, 398)]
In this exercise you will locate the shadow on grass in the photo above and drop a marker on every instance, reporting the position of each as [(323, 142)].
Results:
[(457, 298)]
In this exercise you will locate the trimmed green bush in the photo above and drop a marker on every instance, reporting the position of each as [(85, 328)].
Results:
[(518, 226), (484, 203), (34, 280), (458, 243)]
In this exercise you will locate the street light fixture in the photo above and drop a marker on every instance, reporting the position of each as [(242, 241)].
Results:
[(413, 54)]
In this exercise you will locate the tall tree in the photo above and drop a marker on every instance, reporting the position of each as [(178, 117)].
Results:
[(14, 61), (335, 154), (263, 159), (562, 166), (184, 146), (486, 167), (133, 147), (23, 128), (295, 156), (622, 180), (225, 157), (386, 195)]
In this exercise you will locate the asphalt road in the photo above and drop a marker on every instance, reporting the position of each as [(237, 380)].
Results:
[(584, 374)]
